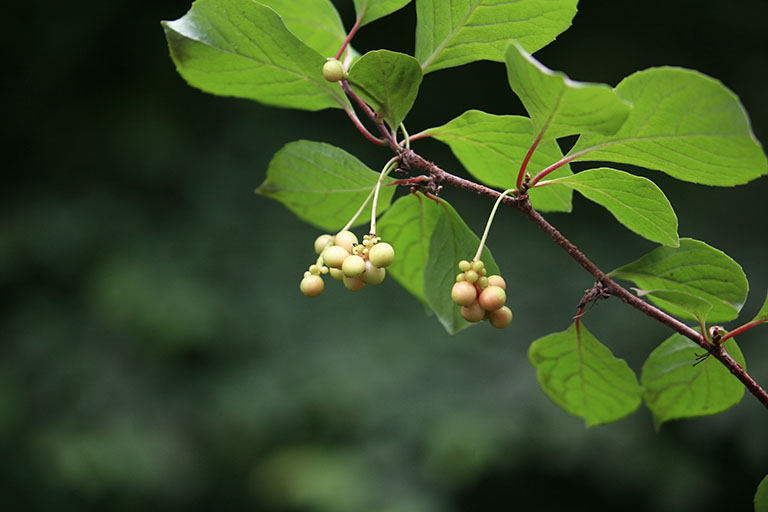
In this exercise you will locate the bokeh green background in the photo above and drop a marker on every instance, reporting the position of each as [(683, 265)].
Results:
[(155, 352)]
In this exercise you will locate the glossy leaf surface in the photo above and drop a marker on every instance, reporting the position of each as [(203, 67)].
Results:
[(674, 388), (454, 32), (694, 268), (371, 10), (322, 184), (582, 376), (492, 148), (242, 48), (683, 123), (316, 22), (636, 202), (452, 241), (559, 106), (408, 225), (388, 81)]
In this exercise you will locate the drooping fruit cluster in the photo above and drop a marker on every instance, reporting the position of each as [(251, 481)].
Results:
[(346, 260), (481, 297)]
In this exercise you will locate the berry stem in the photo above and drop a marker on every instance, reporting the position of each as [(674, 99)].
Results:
[(406, 137), (358, 212), (490, 221), (391, 164)]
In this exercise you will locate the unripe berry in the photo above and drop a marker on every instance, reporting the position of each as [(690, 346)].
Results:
[(334, 256), (482, 282), (464, 265), (373, 274), (322, 242), (353, 266), (497, 281), (346, 239), (312, 286), (501, 317), (337, 274), (463, 293), (470, 276), (333, 70), (473, 313), (353, 283), (492, 298), (478, 265), (381, 254)]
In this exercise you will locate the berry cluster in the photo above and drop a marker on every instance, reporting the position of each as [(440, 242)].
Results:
[(481, 297), (348, 261)]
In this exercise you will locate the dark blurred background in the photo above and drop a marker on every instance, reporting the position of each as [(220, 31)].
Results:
[(155, 350)]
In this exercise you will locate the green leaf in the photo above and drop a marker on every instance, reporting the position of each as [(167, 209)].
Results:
[(316, 22), (408, 225), (452, 241), (694, 268), (322, 184), (762, 315), (761, 496), (635, 202), (674, 388), (683, 123), (371, 10), (454, 32), (680, 303), (388, 81), (559, 106), (242, 48), (492, 148), (582, 376)]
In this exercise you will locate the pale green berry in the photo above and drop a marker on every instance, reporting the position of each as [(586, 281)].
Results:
[(314, 269), (473, 313), (382, 254), (312, 285), (492, 298), (497, 281), (478, 265), (353, 283), (460, 277), (464, 265), (333, 70), (335, 255), (482, 282), (322, 242), (307, 273), (501, 317), (373, 274), (463, 293), (323, 269), (346, 239), (337, 274), (471, 276), (353, 266)]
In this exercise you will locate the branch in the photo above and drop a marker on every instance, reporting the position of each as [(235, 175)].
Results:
[(523, 204)]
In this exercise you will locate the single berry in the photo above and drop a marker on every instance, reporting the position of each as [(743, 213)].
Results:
[(478, 265), (464, 265), (373, 274), (333, 70), (337, 274), (353, 266), (501, 317), (335, 255), (382, 254), (353, 283), (471, 276), (346, 239), (497, 281), (482, 282), (473, 313), (492, 298), (322, 242), (312, 286), (460, 277), (463, 293), (314, 269)]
